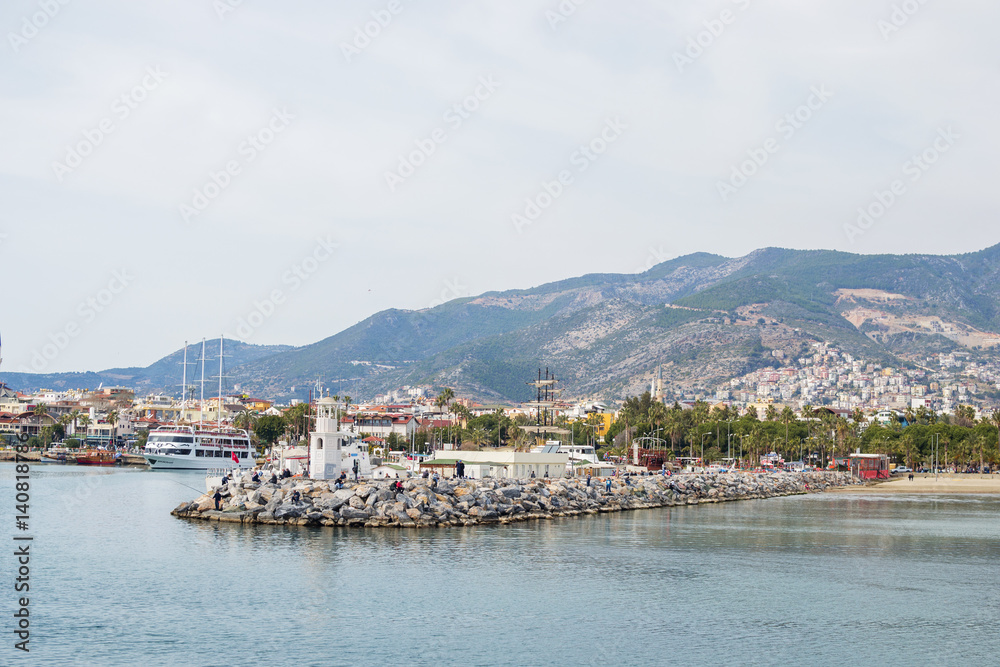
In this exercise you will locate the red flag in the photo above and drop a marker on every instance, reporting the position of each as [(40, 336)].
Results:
[(236, 459)]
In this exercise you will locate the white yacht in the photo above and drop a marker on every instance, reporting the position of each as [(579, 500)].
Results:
[(198, 448)]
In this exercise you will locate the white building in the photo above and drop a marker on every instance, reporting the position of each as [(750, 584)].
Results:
[(497, 464)]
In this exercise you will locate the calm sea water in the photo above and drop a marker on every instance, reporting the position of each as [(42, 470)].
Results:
[(827, 579)]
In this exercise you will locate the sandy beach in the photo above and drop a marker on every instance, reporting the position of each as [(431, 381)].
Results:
[(925, 483)]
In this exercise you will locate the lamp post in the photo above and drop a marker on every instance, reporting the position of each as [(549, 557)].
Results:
[(936, 439), (729, 443)]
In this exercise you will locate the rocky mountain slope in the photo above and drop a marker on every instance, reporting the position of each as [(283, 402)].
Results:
[(703, 317)]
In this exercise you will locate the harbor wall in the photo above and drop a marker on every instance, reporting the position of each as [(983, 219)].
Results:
[(471, 502)]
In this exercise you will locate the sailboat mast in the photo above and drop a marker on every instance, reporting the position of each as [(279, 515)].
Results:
[(201, 401), (219, 422), (184, 380)]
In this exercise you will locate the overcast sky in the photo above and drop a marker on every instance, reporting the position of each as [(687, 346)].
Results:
[(170, 168)]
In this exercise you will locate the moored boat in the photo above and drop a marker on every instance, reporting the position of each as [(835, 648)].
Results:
[(198, 448), (96, 457), (56, 454)]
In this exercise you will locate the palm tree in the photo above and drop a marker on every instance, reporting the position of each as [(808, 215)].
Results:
[(907, 442), (787, 417), (84, 420), (995, 419), (112, 419), (245, 419), (64, 421), (445, 398), (771, 413), (75, 417)]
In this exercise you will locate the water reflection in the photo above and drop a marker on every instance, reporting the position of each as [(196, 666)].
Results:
[(802, 580)]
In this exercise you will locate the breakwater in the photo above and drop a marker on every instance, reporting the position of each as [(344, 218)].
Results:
[(452, 502)]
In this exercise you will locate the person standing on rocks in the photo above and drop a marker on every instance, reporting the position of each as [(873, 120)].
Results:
[(218, 498), (588, 481), (607, 485), (356, 468)]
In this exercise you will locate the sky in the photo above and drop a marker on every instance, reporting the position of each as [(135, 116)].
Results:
[(279, 171)]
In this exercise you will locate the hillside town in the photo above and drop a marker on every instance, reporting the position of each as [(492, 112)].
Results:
[(836, 379), (425, 418)]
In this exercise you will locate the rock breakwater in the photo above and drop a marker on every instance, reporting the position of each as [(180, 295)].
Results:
[(452, 502)]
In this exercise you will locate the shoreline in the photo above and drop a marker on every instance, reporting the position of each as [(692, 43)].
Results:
[(470, 502), (924, 483)]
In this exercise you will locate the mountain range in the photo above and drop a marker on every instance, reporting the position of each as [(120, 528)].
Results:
[(702, 318)]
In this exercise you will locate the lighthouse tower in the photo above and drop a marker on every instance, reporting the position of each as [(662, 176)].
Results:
[(324, 442)]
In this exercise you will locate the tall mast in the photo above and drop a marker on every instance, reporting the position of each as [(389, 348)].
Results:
[(218, 424), (184, 380), (201, 401)]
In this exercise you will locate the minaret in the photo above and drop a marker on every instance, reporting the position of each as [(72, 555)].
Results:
[(324, 441)]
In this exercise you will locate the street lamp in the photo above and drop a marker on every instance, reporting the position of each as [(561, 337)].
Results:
[(703, 447)]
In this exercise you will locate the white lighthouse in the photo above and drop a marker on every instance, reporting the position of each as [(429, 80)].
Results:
[(325, 441)]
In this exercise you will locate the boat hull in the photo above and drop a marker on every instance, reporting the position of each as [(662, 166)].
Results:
[(95, 460)]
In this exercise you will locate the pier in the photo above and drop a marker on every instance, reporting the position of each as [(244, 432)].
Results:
[(457, 502)]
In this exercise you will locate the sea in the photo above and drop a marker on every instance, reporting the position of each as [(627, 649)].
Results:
[(825, 579)]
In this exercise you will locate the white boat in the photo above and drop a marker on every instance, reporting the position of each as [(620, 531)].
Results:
[(198, 448), (578, 454), (55, 454), (353, 450)]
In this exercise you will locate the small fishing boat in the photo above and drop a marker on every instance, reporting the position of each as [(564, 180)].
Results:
[(96, 457), (56, 454)]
